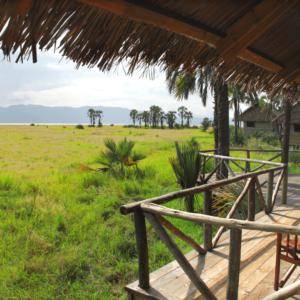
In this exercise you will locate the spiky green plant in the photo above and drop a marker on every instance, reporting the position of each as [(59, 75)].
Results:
[(119, 154), (186, 167), (226, 197)]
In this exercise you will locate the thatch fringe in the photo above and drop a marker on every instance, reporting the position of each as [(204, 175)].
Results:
[(93, 37)]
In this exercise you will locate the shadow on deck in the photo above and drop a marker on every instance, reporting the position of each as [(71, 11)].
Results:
[(257, 260)]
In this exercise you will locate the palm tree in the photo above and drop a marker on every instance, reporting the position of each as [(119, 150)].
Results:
[(154, 114), (162, 117), (188, 116), (146, 117), (91, 113), (200, 81), (119, 154), (99, 115), (140, 118), (133, 115), (182, 110), (171, 118), (186, 167), (237, 94)]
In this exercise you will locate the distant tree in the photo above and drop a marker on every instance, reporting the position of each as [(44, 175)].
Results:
[(188, 116), (205, 124), (154, 114), (99, 115), (133, 114), (181, 113), (146, 117), (162, 117), (91, 115), (171, 118), (140, 118)]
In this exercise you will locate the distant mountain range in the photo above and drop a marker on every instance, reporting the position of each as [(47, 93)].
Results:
[(64, 115)]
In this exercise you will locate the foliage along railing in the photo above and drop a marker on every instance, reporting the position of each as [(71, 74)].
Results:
[(151, 209)]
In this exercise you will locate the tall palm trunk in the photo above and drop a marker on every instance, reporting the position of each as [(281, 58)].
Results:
[(235, 103), (223, 122), (287, 108), (216, 128)]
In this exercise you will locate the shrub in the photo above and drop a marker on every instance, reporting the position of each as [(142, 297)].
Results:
[(205, 124), (186, 166), (177, 126), (79, 126), (32, 124), (112, 125), (270, 139), (241, 138), (91, 125)]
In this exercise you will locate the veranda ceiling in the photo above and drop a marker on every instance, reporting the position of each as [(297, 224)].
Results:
[(251, 42)]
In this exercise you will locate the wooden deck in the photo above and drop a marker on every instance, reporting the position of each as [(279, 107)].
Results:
[(257, 260)]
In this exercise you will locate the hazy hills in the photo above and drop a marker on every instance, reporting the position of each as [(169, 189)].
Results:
[(46, 114)]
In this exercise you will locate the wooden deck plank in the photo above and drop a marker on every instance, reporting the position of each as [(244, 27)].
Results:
[(257, 260)]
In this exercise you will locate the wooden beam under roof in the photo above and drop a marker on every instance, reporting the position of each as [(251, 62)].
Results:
[(249, 28), (290, 72), (149, 16)]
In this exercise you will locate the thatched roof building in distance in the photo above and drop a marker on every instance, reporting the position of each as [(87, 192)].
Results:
[(295, 124), (254, 43), (255, 119)]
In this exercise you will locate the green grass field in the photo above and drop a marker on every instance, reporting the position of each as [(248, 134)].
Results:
[(62, 236)]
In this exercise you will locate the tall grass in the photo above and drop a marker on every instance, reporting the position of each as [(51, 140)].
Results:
[(61, 233)]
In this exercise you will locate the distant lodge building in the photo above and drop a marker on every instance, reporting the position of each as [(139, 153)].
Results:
[(256, 120), (295, 124)]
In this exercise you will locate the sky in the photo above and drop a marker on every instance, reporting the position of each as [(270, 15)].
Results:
[(56, 82)]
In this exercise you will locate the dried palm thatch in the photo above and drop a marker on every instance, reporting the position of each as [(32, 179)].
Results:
[(93, 37)]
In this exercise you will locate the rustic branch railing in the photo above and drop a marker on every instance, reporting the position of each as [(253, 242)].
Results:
[(151, 209)]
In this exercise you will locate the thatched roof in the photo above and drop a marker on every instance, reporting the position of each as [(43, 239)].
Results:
[(295, 115), (251, 42), (256, 114)]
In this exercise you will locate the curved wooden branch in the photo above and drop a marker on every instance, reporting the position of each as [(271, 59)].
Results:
[(180, 234), (285, 292), (238, 165), (181, 259), (265, 164), (212, 172), (230, 223), (261, 196), (129, 208), (277, 187)]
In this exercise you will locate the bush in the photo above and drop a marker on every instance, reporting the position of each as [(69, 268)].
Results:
[(91, 125), (79, 126), (177, 126), (241, 138), (205, 124), (112, 125), (32, 124), (270, 139)]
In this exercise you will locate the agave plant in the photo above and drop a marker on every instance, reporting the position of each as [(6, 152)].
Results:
[(119, 154), (186, 167), (226, 197)]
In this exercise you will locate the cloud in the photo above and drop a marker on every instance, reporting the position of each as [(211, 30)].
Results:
[(52, 82)]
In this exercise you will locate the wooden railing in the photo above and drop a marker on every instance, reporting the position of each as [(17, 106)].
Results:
[(154, 213)]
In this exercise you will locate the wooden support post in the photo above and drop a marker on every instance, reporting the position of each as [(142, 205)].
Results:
[(142, 248), (204, 163), (247, 166), (234, 264), (181, 259), (251, 201), (284, 187), (207, 228)]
